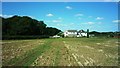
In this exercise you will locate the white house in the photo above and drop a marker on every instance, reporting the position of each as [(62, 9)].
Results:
[(82, 33), (75, 33), (70, 33)]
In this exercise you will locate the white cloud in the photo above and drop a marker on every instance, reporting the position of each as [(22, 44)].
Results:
[(49, 15), (56, 21), (78, 15), (6, 16), (99, 18), (68, 7), (116, 21), (71, 24), (90, 23), (62, 25), (60, 19), (47, 21), (65, 25)]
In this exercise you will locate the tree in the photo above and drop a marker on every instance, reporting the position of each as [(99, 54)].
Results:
[(87, 33), (24, 25), (52, 31), (61, 34)]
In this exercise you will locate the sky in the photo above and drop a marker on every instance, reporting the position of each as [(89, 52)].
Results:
[(60, 0), (95, 16)]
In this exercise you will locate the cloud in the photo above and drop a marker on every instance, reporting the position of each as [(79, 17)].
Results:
[(68, 7), (71, 24), (65, 25), (48, 21), (62, 25), (92, 23), (49, 15), (116, 21), (89, 23), (6, 16), (78, 15), (60, 19), (56, 21), (99, 18)]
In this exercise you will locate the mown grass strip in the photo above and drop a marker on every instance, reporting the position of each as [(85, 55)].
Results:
[(58, 53), (57, 58)]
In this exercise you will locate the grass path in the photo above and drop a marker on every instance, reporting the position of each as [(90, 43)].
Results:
[(57, 55)]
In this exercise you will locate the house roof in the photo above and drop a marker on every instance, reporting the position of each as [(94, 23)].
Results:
[(72, 30), (81, 31)]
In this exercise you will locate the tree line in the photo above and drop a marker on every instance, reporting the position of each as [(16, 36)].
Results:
[(26, 26), (106, 34)]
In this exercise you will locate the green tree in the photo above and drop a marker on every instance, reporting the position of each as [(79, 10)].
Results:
[(24, 26)]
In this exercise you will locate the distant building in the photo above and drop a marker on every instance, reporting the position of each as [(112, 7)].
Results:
[(82, 33), (70, 33), (55, 36), (75, 33)]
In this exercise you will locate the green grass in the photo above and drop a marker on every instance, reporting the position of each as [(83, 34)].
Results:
[(61, 52), (30, 55)]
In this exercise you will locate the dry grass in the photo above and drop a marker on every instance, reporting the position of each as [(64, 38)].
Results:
[(61, 52)]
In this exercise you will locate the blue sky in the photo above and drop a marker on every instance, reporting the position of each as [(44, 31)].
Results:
[(96, 16), (60, 0)]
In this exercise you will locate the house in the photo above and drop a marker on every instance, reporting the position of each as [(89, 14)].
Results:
[(82, 33), (70, 33), (75, 33)]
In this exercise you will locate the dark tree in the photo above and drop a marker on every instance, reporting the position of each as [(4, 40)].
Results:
[(87, 33), (52, 31), (26, 26)]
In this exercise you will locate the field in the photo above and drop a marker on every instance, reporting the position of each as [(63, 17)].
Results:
[(61, 52)]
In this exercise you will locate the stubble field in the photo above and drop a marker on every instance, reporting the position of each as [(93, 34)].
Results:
[(60, 52)]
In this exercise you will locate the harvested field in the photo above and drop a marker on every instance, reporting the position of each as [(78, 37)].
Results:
[(61, 52)]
